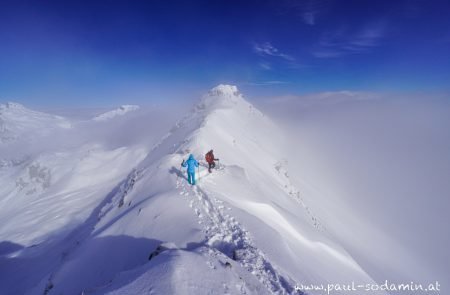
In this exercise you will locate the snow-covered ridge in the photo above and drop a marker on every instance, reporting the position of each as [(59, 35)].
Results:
[(252, 186), (13, 111), (122, 110), (17, 120)]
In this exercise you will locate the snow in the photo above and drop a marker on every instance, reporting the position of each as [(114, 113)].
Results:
[(225, 91), (123, 220), (17, 122), (47, 192), (122, 110)]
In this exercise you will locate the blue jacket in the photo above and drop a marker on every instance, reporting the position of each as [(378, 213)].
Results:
[(191, 163)]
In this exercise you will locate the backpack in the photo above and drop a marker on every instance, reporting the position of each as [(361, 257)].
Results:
[(209, 157)]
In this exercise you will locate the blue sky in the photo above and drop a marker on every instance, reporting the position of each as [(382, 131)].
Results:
[(109, 52)]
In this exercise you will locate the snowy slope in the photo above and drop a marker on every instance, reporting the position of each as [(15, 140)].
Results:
[(51, 179), (244, 229), (17, 121)]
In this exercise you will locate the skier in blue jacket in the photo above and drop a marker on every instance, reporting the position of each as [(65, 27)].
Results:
[(191, 163)]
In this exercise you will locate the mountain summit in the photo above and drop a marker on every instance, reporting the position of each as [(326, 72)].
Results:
[(224, 91), (220, 96)]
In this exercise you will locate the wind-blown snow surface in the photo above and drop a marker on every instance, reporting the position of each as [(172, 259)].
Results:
[(125, 221)]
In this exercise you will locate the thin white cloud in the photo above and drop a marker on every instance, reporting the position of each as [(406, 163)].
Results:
[(327, 53), (275, 82), (369, 36), (267, 83), (267, 49), (343, 41), (265, 66), (307, 9), (309, 17)]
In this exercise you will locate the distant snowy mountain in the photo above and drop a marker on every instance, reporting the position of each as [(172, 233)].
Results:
[(17, 121), (125, 221), (122, 110)]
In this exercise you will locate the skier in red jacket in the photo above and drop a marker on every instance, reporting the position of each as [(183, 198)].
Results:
[(209, 157)]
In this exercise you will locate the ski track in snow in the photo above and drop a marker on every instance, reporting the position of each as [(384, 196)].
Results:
[(226, 235)]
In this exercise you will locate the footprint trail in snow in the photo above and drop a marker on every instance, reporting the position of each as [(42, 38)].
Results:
[(224, 233)]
